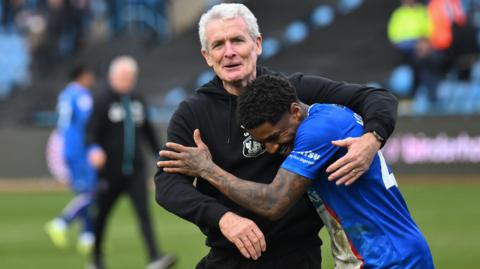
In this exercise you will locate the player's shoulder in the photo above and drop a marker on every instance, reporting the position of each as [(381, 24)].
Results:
[(318, 125), (334, 115)]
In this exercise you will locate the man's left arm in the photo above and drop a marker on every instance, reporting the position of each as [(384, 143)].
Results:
[(149, 131), (377, 106)]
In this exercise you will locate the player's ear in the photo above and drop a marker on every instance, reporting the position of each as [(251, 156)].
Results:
[(296, 110)]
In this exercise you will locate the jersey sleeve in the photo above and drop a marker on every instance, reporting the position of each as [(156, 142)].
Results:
[(313, 148), (83, 107)]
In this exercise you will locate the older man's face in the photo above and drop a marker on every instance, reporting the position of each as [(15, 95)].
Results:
[(123, 79), (231, 51)]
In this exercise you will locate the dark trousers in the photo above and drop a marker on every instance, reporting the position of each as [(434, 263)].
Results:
[(301, 258), (110, 189)]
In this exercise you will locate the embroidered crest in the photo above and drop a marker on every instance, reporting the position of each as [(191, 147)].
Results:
[(252, 148)]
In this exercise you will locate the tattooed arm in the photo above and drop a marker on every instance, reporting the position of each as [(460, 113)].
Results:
[(269, 200)]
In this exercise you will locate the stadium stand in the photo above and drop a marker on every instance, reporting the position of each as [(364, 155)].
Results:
[(341, 39)]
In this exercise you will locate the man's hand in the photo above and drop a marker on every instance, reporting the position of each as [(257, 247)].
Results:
[(192, 161), (97, 158), (361, 151), (244, 233)]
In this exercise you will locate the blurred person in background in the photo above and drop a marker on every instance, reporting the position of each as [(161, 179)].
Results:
[(454, 34), (63, 34), (75, 105), (434, 55), (9, 10), (408, 25), (231, 43), (148, 17), (119, 123)]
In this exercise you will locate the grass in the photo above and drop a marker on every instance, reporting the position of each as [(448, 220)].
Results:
[(23, 244), (447, 213)]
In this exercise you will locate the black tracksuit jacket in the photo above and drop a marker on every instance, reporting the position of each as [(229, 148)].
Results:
[(212, 110), (106, 129)]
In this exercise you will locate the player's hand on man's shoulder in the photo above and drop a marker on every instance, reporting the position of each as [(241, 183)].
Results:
[(192, 161)]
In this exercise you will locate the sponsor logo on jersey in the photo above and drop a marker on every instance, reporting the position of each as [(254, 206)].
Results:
[(307, 157)]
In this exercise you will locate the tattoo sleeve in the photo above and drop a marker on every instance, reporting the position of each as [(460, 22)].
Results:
[(269, 200)]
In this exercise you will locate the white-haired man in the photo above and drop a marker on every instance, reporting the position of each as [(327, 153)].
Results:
[(118, 123), (231, 43)]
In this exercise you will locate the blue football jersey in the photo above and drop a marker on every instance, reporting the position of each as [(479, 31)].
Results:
[(75, 104), (74, 107), (368, 222)]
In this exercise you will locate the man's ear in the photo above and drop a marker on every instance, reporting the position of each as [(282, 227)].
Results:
[(296, 110), (206, 56), (258, 45)]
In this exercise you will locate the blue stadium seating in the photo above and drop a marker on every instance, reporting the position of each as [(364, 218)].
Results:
[(347, 6), (13, 63), (401, 80), (270, 47), (296, 32), (421, 105), (204, 77), (175, 96), (322, 16)]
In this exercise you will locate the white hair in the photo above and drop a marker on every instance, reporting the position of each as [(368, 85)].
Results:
[(123, 61), (227, 11)]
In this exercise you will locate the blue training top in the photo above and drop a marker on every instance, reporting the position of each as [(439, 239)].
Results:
[(75, 105), (368, 222)]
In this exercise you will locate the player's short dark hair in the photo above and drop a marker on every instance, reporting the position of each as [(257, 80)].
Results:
[(266, 99), (77, 71)]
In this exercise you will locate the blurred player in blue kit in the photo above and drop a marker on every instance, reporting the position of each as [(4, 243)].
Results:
[(368, 220), (74, 107)]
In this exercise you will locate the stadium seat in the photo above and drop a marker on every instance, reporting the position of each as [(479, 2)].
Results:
[(421, 105), (463, 98), (476, 97), (445, 90), (322, 16), (204, 77), (13, 63), (270, 47), (347, 6), (401, 80), (296, 32), (475, 72), (174, 96)]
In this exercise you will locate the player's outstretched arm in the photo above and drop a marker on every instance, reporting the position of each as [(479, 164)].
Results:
[(269, 200)]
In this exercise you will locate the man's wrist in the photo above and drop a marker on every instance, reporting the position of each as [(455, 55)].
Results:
[(378, 137), (207, 171), (375, 141)]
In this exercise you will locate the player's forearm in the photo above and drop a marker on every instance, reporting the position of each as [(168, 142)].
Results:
[(263, 199)]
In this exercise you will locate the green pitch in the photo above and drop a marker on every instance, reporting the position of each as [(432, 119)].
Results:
[(447, 213)]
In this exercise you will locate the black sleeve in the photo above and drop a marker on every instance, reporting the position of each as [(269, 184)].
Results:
[(175, 192), (94, 125), (149, 131), (377, 106)]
